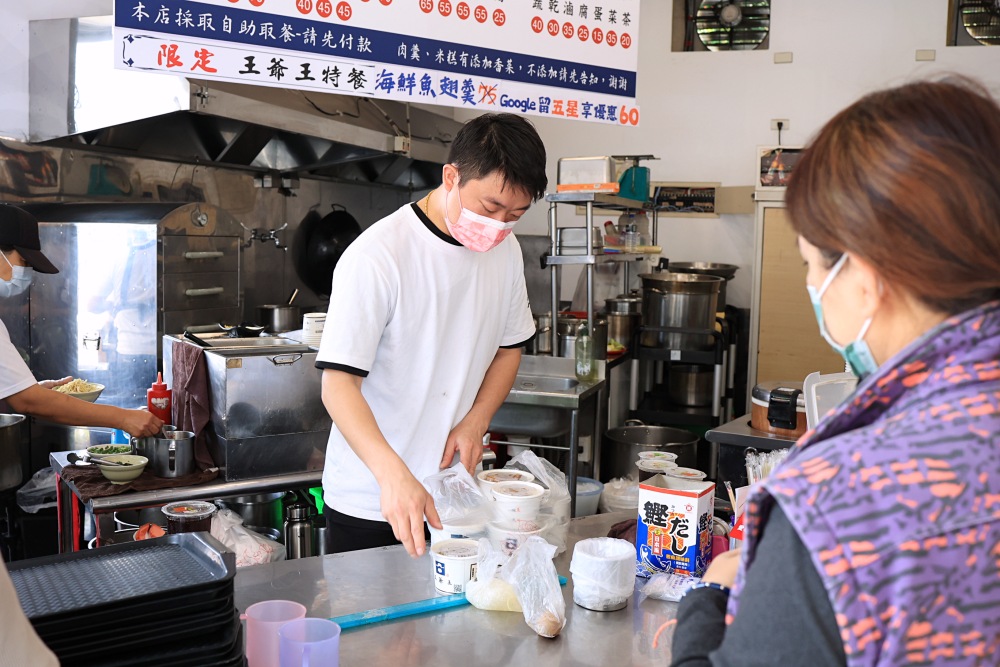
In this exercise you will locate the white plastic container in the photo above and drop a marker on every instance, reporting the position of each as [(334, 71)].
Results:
[(686, 473), (649, 467), (661, 456), (603, 570), (487, 479), (588, 495), (457, 531), (518, 500), (509, 535), (453, 564)]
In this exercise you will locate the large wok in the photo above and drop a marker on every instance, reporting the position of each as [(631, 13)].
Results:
[(318, 245)]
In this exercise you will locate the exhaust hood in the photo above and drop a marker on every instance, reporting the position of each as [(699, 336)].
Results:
[(78, 100)]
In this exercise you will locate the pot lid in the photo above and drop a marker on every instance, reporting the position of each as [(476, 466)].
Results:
[(761, 393), (726, 271), (684, 283)]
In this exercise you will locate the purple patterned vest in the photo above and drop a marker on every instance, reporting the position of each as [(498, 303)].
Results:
[(897, 497)]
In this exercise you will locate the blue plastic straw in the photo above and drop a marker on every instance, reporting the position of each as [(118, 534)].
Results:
[(434, 604)]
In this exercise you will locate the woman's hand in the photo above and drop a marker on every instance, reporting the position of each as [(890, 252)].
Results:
[(723, 569)]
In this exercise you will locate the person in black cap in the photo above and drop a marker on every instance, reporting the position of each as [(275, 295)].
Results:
[(20, 256)]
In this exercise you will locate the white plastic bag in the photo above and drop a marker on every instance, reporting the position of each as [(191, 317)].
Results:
[(533, 576), (457, 497), (39, 492), (250, 548), (667, 586), (620, 495), (603, 570), (487, 591), (556, 502)]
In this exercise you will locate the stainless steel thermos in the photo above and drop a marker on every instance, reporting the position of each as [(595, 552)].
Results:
[(300, 532)]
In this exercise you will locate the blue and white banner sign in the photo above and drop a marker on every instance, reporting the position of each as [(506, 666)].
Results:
[(555, 58)]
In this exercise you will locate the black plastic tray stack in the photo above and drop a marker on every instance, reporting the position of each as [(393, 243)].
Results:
[(163, 602)]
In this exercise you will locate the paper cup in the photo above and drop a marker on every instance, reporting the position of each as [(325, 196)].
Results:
[(508, 535), (457, 531), (453, 563), (489, 478), (518, 500)]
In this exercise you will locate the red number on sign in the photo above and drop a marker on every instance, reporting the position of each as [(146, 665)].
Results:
[(611, 38), (499, 17), (567, 30), (482, 14), (537, 24), (324, 8), (234, 1), (583, 33), (344, 11), (386, 2), (444, 7), (462, 11), (427, 6), (256, 3), (304, 6), (553, 27), (597, 35), (628, 116), (626, 40)]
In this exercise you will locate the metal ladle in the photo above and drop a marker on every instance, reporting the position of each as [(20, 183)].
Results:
[(76, 459)]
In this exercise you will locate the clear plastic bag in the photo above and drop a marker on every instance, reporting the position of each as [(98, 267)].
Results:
[(603, 571), (533, 576), (488, 591), (556, 502), (250, 548), (39, 492), (667, 586), (457, 497)]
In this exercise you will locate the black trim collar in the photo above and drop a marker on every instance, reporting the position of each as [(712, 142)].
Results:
[(431, 226)]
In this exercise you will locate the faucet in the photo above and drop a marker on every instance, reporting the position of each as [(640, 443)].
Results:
[(264, 236)]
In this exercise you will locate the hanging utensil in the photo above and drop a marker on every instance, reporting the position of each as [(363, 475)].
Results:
[(292, 297)]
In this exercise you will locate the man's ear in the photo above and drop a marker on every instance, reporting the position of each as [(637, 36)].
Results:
[(449, 176)]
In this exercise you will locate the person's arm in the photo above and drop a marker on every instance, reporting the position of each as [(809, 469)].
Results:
[(785, 616), (404, 499), (467, 436), (53, 406)]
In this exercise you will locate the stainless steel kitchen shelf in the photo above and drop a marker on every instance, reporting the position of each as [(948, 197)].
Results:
[(565, 260), (602, 200)]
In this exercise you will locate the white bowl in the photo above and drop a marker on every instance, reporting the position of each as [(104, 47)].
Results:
[(89, 396), (489, 478), (122, 474), (509, 535)]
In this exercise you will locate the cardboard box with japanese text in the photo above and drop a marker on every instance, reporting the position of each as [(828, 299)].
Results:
[(674, 532)]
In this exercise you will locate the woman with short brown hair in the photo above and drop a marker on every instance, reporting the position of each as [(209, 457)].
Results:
[(877, 542)]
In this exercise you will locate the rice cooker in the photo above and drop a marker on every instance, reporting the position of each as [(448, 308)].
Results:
[(779, 408)]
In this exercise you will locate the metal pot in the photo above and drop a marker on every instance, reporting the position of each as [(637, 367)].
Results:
[(568, 327), (690, 384), (724, 271), (278, 319), (169, 456), (261, 512), (10, 451), (622, 445), (682, 300)]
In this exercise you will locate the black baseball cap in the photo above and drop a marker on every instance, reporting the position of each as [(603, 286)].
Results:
[(19, 229)]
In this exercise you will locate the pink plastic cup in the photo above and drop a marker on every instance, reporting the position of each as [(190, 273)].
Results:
[(309, 642), (264, 619)]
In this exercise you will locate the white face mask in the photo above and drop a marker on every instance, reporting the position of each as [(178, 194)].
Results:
[(20, 279)]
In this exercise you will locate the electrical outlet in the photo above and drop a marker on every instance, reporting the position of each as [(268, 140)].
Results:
[(401, 145), (784, 124)]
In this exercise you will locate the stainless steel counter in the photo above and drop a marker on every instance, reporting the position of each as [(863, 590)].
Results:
[(347, 583)]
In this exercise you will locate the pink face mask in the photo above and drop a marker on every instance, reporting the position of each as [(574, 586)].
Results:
[(476, 232)]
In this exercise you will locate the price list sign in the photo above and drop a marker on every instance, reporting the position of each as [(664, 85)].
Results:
[(555, 58)]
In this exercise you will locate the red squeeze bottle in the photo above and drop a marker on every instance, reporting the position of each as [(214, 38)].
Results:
[(158, 399)]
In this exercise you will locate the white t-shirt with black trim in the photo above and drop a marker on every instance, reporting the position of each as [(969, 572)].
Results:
[(15, 376), (421, 318)]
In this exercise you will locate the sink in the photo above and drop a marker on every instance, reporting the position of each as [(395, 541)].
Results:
[(532, 419), (544, 383)]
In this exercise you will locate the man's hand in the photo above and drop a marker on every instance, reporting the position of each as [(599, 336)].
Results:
[(140, 423), (468, 441), (405, 502), (52, 384), (723, 568)]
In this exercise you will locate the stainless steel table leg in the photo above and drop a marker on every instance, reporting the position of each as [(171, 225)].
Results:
[(574, 447)]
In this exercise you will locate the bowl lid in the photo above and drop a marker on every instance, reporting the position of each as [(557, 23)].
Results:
[(189, 509), (685, 473)]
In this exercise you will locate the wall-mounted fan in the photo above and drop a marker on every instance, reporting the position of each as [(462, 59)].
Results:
[(981, 20), (725, 25)]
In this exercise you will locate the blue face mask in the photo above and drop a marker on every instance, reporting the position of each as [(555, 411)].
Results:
[(20, 280), (856, 354)]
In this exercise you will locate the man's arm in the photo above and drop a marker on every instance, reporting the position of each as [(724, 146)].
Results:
[(467, 436), (62, 409), (404, 499)]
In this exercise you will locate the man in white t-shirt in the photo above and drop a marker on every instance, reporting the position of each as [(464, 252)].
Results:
[(428, 314)]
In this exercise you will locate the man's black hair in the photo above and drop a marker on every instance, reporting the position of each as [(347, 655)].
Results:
[(505, 143)]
